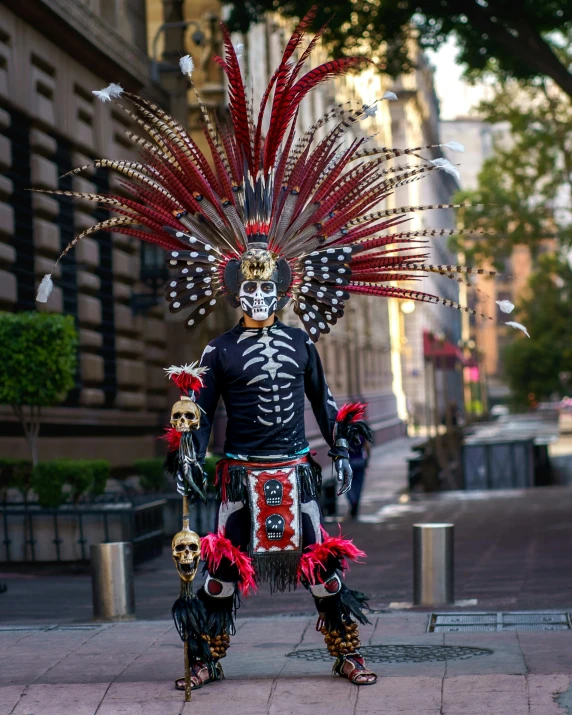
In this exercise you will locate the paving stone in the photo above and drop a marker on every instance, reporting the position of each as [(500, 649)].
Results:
[(59, 699), (9, 696), (401, 695), (542, 690), (485, 695)]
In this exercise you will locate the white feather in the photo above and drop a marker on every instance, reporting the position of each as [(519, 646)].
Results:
[(239, 50), (390, 96), (112, 91), (518, 326), (191, 369), (454, 146), (187, 65), (505, 305), (446, 165), (45, 288)]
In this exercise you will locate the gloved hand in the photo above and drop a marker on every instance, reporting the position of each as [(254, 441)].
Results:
[(344, 473)]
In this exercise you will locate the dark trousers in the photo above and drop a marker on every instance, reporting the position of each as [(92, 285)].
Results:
[(354, 494)]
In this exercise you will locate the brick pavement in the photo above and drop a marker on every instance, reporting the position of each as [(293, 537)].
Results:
[(128, 669)]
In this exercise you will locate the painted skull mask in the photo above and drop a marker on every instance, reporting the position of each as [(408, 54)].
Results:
[(258, 299), (186, 546)]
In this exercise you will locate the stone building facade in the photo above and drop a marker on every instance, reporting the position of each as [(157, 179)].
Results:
[(53, 53)]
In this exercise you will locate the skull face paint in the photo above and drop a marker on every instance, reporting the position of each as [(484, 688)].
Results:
[(186, 549), (258, 299)]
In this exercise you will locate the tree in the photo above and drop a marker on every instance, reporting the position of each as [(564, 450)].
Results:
[(525, 40), (539, 367), (524, 188), (38, 359)]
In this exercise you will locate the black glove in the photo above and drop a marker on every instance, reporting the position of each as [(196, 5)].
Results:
[(344, 473)]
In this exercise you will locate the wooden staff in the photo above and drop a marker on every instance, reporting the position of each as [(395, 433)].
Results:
[(185, 643)]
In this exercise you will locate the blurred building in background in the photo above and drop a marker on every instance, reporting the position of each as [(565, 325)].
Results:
[(486, 339), (53, 53), (432, 385)]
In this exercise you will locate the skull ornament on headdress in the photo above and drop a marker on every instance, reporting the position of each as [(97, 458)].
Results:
[(186, 549)]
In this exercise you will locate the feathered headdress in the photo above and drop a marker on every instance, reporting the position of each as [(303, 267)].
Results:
[(304, 210)]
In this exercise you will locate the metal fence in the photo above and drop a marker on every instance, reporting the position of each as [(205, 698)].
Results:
[(33, 534)]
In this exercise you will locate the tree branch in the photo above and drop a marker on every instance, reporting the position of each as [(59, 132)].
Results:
[(530, 48)]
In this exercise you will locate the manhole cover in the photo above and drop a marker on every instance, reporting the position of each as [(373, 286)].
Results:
[(481, 622), (400, 653)]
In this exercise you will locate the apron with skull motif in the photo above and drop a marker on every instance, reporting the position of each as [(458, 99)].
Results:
[(274, 491)]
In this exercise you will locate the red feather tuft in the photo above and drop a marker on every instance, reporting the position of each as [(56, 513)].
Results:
[(315, 558), (351, 412), (216, 547), (172, 437), (187, 383)]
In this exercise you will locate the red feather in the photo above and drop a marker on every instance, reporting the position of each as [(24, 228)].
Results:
[(315, 558), (216, 547), (351, 412), (172, 437)]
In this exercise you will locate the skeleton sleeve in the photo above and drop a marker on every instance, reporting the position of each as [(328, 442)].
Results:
[(323, 404), (207, 399)]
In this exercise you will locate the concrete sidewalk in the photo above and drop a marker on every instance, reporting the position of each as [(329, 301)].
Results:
[(278, 666)]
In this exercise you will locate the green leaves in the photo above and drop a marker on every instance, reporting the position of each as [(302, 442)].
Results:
[(524, 186), (524, 40), (540, 366), (151, 474), (83, 476), (38, 358)]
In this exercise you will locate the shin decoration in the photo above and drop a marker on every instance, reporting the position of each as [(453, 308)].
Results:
[(188, 611)]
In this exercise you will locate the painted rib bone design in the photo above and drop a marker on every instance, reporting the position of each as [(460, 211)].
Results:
[(272, 354)]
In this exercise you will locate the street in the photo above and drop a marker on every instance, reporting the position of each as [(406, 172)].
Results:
[(512, 554)]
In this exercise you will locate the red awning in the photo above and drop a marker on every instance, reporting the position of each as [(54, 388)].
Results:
[(443, 352)]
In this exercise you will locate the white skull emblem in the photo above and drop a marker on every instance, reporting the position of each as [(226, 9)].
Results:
[(258, 299)]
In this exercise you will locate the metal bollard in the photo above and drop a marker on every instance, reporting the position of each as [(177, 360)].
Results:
[(433, 564), (112, 581)]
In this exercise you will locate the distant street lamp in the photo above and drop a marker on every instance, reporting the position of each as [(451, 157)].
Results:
[(407, 307)]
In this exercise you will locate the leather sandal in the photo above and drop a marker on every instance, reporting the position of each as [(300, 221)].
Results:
[(353, 668), (201, 674)]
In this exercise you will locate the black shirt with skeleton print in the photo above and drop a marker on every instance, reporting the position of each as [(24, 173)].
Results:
[(262, 375)]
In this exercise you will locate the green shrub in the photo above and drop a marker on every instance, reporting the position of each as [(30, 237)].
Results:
[(100, 475), (84, 476), (38, 360), (16, 474), (48, 480), (151, 474)]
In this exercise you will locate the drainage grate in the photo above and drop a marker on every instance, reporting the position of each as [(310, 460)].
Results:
[(400, 653), (488, 622)]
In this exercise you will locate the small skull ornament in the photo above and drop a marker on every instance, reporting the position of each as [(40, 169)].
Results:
[(275, 527), (186, 547), (185, 415), (273, 492)]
